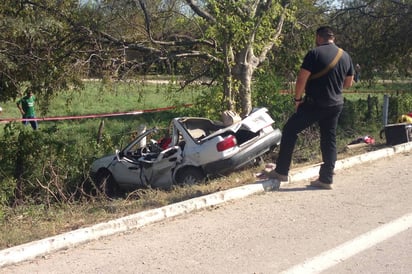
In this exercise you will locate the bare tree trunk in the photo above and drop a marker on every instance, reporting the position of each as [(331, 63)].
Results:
[(227, 80), (246, 63), (100, 132), (245, 90)]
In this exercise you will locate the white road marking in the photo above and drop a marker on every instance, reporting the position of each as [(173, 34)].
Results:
[(346, 250)]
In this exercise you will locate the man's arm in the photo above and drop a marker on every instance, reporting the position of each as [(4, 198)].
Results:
[(303, 77), (19, 107), (348, 82), (301, 81)]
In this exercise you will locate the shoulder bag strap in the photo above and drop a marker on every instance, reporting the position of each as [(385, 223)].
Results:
[(329, 67)]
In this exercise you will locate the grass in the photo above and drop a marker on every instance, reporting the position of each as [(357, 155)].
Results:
[(99, 98), (27, 222)]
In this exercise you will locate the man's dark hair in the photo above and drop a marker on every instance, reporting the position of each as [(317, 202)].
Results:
[(325, 32)]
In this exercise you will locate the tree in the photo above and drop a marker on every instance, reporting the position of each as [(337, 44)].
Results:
[(236, 36), (378, 34), (297, 38), (42, 45)]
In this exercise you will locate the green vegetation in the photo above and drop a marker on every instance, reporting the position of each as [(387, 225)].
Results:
[(44, 174), (49, 46)]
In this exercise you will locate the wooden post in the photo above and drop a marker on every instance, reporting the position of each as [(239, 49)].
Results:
[(100, 132)]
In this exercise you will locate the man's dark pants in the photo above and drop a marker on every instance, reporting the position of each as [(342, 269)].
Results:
[(306, 115), (33, 123)]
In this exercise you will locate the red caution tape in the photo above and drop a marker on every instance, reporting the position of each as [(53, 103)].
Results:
[(90, 116)]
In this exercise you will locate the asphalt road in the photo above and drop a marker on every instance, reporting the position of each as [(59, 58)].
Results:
[(362, 226)]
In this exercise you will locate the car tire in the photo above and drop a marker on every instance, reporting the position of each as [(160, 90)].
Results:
[(106, 184), (190, 176), (258, 161)]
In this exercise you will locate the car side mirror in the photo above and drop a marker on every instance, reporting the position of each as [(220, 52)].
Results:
[(118, 155)]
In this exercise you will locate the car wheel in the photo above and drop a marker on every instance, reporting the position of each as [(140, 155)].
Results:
[(190, 176), (106, 184), (258, 161)]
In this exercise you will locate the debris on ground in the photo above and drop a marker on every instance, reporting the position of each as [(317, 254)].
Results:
[(362, 141)]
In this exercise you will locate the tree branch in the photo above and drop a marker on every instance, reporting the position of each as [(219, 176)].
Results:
[(187, 39), (195, 7), (275, 36)]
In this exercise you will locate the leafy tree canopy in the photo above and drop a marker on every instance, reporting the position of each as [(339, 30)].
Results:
[(378, 34), (40, 47)]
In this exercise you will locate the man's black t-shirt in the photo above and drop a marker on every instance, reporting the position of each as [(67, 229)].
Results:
[(326, 91)]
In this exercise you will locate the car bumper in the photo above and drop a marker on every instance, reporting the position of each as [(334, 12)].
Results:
[(244, 156)]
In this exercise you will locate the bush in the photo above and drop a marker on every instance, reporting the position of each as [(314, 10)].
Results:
[(399, 104), (267, 93), (43, 166), (360, 114)]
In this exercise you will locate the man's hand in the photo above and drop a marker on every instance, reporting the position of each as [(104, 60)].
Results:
[(297, 104)]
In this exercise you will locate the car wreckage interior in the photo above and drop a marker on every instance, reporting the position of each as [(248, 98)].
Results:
[(200, 128)]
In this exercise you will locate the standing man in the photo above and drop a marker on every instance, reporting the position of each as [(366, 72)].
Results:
[(357, 73), (326, 70), (26, 107)]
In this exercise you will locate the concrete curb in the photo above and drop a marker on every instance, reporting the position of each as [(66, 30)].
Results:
[(63, 241)]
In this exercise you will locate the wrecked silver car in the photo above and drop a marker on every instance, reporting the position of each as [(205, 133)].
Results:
[(193, 149)]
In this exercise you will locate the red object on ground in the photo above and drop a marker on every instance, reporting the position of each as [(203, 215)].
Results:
[(368, 140)]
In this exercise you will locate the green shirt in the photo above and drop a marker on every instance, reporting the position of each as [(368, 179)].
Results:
[(27, 104)]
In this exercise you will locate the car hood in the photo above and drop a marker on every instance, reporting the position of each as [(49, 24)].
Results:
[(102, 162)]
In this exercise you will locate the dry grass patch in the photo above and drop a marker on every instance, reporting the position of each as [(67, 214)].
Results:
[(28, 223)]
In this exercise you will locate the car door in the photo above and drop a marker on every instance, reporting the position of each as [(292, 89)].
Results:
[(126, 168), (126, 172)]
